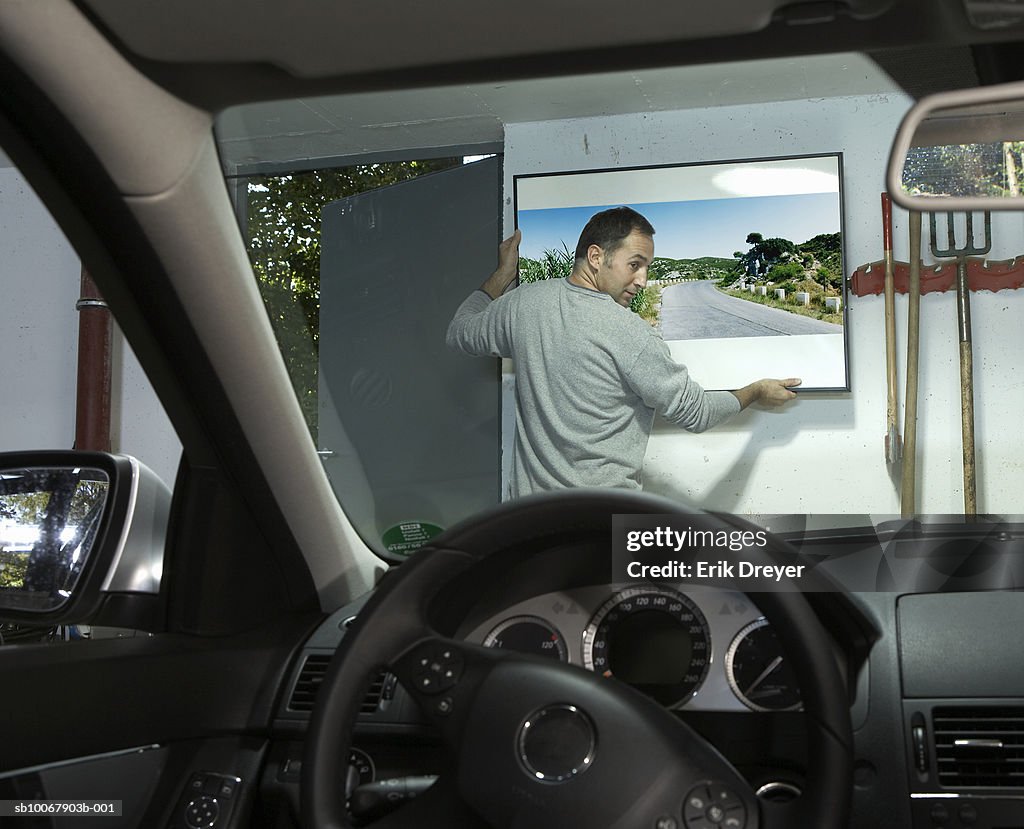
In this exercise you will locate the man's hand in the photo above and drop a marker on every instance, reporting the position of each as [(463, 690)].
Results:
[(508, 263), (771, 393)]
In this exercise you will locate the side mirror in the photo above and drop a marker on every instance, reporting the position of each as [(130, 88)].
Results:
[(961, 151), (76, 527)]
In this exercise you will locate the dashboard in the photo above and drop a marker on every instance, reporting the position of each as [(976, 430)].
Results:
[(919, 662), (704, 652)]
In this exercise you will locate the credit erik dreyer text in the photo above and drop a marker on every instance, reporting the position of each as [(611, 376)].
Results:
[(714, 570)]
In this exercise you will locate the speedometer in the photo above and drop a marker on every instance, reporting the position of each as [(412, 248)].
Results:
[(652, 638)]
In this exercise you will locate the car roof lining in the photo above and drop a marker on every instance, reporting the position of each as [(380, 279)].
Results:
[(310, 39), (209, 54)]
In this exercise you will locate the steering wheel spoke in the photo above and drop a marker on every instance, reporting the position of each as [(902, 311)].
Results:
[(545, 746), (443, 676)]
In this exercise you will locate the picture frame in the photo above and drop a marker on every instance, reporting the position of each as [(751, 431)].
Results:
[(729, 237)]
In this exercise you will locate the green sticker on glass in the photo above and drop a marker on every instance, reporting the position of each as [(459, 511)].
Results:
[(406, 538)]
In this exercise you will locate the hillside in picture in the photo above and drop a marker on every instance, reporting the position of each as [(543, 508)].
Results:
[(819, 260)]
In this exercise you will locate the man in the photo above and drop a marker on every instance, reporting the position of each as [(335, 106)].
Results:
[(590, 374)]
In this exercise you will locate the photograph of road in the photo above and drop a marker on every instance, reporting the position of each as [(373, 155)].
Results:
[(742, 249), (698, 310)]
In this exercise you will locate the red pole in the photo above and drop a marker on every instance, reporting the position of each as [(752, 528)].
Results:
[(92, 409)]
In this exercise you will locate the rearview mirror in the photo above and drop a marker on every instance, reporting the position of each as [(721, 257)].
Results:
[(961, 151), (74, 527)]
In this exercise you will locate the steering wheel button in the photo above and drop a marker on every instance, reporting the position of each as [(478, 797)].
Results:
[(733, 821), (715, 813), (697, 801), (725, 797), (430, 683)]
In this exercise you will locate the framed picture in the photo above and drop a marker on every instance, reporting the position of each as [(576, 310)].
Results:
[(748, 273)]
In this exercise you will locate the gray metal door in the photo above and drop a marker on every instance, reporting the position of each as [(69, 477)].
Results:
[(411, 430)]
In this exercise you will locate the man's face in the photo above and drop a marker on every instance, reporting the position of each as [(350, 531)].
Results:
[(624, 272)]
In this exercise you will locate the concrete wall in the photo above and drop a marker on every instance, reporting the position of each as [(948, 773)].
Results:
[(39, 278), (825, 452)]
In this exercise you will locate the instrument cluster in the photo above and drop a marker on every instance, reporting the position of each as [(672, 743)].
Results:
[(703, 649)]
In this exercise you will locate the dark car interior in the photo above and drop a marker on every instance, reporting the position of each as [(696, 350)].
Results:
[(287, 671)]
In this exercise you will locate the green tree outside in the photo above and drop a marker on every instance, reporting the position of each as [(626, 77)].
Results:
[(283, 228)]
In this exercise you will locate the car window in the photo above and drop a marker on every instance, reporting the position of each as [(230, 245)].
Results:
[(300, 169), (46, 363), (843, 107)]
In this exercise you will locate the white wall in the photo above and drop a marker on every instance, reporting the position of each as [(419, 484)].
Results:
[(39, 278), (824, 453)]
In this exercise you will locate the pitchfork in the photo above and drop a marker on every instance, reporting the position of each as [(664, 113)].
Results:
[(963, 314)]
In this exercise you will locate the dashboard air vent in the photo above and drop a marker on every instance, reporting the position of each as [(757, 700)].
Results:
[(979, 747), (374, 696), (308, 683), (312, 675)]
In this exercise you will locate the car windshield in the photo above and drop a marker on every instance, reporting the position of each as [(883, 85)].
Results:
[(370, 217)]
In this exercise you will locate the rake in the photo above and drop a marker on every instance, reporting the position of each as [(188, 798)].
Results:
[(963, 314)]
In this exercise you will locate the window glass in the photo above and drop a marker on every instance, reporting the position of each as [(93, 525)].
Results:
[(45, 296)]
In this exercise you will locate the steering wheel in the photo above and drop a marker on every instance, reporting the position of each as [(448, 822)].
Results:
[(541, 744)]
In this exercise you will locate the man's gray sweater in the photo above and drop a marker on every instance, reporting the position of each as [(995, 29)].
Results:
[(590, 376)]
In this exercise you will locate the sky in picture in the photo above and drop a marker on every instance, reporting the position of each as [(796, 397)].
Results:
[(692, 229)]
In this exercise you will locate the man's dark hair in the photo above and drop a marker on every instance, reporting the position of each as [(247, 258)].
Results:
[(609, 229)]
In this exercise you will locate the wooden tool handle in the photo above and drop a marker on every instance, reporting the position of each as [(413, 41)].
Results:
[(967, 427), (908, 482), (893, 447)]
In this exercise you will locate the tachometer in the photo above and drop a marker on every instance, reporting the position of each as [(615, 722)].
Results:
[(758, 672), (653, 638), (528, 634)]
